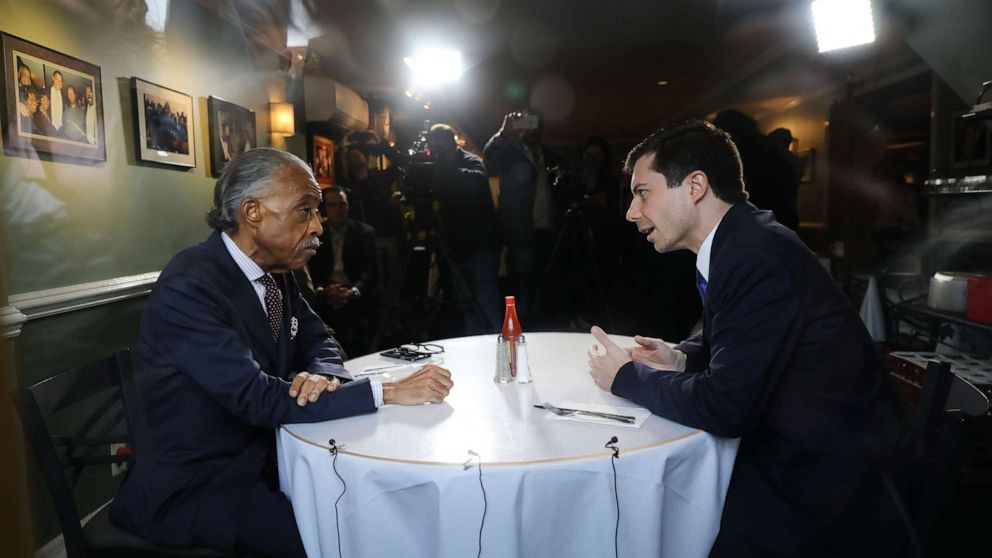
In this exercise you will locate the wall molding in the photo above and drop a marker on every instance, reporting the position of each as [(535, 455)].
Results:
[(24, 307)]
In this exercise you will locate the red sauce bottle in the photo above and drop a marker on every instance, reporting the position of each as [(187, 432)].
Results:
[(511, 332)]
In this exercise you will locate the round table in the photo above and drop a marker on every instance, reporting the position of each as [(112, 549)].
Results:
[(413, 482)]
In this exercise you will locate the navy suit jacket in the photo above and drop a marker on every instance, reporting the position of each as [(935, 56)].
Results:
[(214, 385), (784, 363)]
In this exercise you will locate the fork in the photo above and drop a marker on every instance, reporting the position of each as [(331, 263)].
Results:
[(570, 412)]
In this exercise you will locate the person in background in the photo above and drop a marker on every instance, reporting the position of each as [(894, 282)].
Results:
[(783, 362), (768, 177), (526, 209), (228, 350), (345, 274), (469, 221), (74, 127), (58, 100), (89, 104)]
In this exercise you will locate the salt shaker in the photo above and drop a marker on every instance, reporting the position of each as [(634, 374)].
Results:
[(523, 366)]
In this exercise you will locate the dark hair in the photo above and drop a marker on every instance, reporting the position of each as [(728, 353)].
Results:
[(690, 146), (441, 130), (249, 175)]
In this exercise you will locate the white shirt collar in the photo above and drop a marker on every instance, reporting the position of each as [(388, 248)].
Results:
[(703, 257), (247, 266)]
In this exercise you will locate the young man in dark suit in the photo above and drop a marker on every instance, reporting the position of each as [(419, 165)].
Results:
[(228, 350), (783, 362)]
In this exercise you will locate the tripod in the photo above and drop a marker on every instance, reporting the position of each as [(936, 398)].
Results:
[(436, 249), (577, 231)]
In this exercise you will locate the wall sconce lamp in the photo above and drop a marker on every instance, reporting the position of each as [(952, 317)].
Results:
[(282, 119)]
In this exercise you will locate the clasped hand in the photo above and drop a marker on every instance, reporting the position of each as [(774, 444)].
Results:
[(307, 387)]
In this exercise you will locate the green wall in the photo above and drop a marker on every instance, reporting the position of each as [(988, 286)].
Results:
[(63, 224)]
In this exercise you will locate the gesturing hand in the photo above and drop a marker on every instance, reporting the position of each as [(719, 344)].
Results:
[(656, 354), (429, 384), (603, 366), (307, 387)]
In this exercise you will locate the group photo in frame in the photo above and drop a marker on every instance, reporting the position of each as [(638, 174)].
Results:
[(232, 132), (164, 129), (53, 104), (322, 158)]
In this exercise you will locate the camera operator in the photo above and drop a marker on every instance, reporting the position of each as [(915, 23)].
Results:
[(469, 219), (526, 209)]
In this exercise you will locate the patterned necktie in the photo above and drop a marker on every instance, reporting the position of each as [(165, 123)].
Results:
[(701, 285), (273, 303)]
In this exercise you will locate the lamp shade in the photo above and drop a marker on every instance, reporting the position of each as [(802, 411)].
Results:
[(282, 119)]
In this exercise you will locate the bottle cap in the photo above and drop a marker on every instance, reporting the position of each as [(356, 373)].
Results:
[(510, 300)]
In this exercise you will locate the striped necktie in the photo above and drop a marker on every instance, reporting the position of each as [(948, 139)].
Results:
[(273, 303), (701, 285)]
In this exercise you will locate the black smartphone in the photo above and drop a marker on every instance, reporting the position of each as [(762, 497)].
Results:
[(403, 353)]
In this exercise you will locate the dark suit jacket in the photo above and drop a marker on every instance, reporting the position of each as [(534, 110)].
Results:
[(517, 187), (359, 258), (467, 211), (214, 386), (784, 363)]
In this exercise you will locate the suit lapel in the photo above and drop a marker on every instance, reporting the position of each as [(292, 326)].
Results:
[(245, 300)]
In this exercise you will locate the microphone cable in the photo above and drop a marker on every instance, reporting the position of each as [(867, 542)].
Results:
[(485, 502), (334, 448), (612, 445)]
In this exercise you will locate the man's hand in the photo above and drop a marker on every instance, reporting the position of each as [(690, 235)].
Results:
[(506, 130), (307, 387), (603, 366), (337, 296), (430, 384), (656, 354)]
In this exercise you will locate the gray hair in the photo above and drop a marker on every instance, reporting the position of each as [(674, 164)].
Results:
[(249, 175)]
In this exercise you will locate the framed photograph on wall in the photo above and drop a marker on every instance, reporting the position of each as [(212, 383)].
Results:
[(322, 158), (232, 132), (53, 104), (971, 144), (164, 129)]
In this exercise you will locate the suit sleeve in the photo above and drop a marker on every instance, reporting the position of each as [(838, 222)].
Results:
[(753, 333), (194, 327), (369, 276), (494, 153), (696, 353)]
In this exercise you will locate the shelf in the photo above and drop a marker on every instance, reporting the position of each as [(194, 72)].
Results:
[(952, 317)]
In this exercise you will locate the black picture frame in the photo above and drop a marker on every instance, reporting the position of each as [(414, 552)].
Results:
[(75, 134), (242, 132), (164, 125), (971, 142)]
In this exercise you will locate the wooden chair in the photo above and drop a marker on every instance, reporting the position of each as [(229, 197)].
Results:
[(71, 420), (944, 420)]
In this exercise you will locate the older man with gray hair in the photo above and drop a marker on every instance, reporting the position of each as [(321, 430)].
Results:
[(228, 350)]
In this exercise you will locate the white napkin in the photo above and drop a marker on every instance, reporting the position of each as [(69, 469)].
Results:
[(640, 415)]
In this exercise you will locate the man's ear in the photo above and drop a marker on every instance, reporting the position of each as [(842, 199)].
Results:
[(251, 212), (699, 184)]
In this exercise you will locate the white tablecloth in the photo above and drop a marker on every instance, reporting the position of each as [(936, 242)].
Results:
[(548, 483)]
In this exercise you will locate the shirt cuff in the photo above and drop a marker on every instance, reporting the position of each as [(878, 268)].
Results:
[(376, 384)]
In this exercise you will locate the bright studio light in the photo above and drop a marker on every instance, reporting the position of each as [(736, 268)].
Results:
[(842, 23), (435, 66)]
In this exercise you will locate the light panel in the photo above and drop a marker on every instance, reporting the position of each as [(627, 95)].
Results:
[(842, 23)]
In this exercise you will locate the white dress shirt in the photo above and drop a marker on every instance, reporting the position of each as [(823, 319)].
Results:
[(254, 273), (703, 257)]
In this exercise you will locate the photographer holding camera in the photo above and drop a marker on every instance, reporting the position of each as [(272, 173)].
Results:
[(526, 209), (469, 220)]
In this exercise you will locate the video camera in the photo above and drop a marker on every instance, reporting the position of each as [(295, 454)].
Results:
[(418, 184)]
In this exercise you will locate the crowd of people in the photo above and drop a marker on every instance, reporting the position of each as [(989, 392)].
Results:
[(55, 108), (165, 129), (557, 219)]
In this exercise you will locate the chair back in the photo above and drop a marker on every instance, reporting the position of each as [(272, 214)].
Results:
[(945, 420), (71, 420)]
